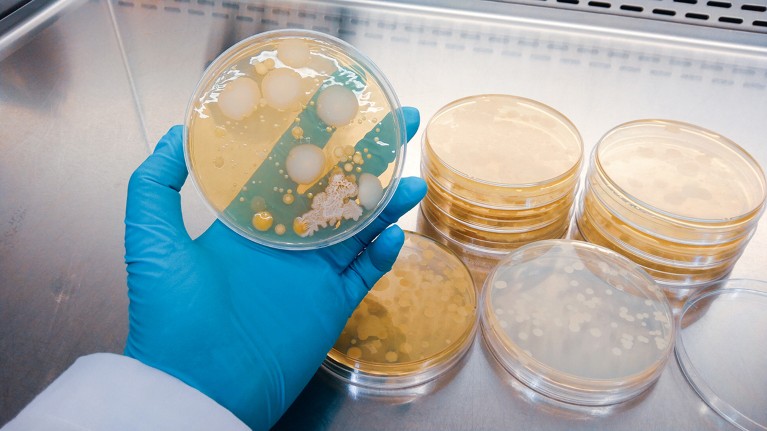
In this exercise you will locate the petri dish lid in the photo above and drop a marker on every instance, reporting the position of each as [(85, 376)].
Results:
[(483, 241), (493, 218), (414, 324), (494, 141), (577, 322), (681, 171), (294, 139), (722, 352)]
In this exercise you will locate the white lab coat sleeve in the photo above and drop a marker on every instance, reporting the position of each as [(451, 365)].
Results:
[(105, 391)]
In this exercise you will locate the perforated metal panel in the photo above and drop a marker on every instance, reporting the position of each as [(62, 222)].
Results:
[(354, 25), (746, 15), (742, 15)]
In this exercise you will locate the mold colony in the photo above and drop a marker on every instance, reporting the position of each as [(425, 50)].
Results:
[(294, 139)]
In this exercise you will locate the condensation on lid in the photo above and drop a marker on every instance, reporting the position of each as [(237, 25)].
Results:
[(682, 169), (722, 352), (415, 322), (585, 321), (504, 139)]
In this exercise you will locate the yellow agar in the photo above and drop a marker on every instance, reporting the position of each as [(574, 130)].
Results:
[(424, 308)]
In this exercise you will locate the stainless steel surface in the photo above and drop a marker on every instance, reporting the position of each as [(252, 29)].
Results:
[(21, 30), (76, 120), (69, 137)]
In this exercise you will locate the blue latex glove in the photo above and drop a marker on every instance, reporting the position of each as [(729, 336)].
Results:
[(245, 324)]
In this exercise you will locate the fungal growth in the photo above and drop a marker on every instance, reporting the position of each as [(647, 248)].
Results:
[(293, 140)]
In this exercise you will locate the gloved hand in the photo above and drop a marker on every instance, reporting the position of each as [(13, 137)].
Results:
[(245, 324)]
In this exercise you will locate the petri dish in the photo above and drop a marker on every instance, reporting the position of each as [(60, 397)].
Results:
[(502, 151), (681, 201), (632, 215), (414, 324), (722, 353), (681, 171), (485, 239), (577, 322), (498, 219), (669, 274), (594, 212), (294, 139)]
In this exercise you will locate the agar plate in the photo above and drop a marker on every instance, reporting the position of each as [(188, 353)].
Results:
[(414, 325), (294, 139), (577, 322)]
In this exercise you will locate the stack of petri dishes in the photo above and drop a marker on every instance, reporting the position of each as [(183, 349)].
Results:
[(679, 200), (415, 325), (502, 172)]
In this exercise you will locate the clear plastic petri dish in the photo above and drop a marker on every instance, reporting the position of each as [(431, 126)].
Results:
[(294, 139), (522, 197), (678, 179), (633, 216), (577, 322), (670, 274), (594, 216), (679, 200), (722, 352), (498, 219), (416, 323), (502, 151), (485, 239)]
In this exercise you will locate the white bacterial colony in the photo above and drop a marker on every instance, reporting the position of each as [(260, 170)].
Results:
[(371, 190), (305, 163), (239, 99)]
